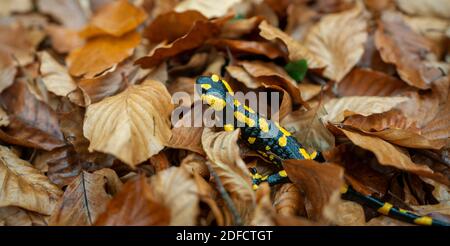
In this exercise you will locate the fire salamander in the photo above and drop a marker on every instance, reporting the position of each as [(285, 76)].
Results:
[(274, 143)]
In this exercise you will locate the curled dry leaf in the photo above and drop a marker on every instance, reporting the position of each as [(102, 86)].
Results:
[(248, 47), (321, 183), (439, 127), (412, 58), (172, 25), (69, 13), (367, 82), (101, 53), (4, 119), (198, 34), (433, 8), (223, 152), (309, 129), (288, 201), (176, 190), (207, 8), (56, 78), (349, 214), (133, 125), (392, 119), (296, 50), (17, 42), (83, 201), (408, 138), (134, 206), (338, 39), (339, 108), (237, 28), (24, 186), (32, 123), (8, 71), (115, 18), (209, 196), (195, 163), (390, 155), (15, 216), (264, 211)]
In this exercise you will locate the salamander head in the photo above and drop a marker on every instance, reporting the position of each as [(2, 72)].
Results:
[(213, 91)]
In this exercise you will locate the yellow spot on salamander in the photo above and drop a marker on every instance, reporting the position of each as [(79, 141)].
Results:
[(403, 211), (282, 173), (385, 208), (255, 186), (215, 78), (251, 140), (284, 131), (206, 86), (424, 220), (228, 87), (214, 102), (244, 119), (263, 125), (282, 141), (271, 157), (313, 155), (228, 127), (267, 147), (305, 154), (249, 109), (265, 178), (257, 176), (343, 189)]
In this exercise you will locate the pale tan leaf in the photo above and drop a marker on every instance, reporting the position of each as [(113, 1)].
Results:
[(407, 138), (83, 201), (195, 163), (14, 216), (289, 201), (296, 50), (69, 13), (309, 129), (264, 211), (349, 214), (339, 108), (338, 39), (56, 78), (208, 8), (9, 6), (223, 152), (390, 155), (175, 189), (433, 8), (24, 186), (133, 125), (4, 119)]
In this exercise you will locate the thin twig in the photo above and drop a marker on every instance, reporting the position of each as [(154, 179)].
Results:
[(236, 217)]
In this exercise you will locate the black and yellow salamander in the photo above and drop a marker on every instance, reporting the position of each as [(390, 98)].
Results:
[(274, 143)]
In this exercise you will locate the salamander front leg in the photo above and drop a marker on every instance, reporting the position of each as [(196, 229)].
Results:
[(273, 179)]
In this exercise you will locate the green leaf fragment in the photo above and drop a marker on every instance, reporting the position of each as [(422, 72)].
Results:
[(297, 69)]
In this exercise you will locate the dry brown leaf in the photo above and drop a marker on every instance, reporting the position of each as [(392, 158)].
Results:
[(56, 78), (288, 201), (223, 152), (237, 28), (248, 47), (421, 108), (101, 53), (83, 201), (338, 39), (195, 163), (321, 183), (309, 90), (32, 123), (412, 58), (392, 119), (17, 42), (175, 189), (9, 6), (134, 206), (115, 18), (24, 186), (433, 8), (349, 214), (172, 25), (69, 13), (390, 155), (209, 9), (296, 50), (7, 72), (367, 82), (64, 40), (209, 196), (243, 76), (109, 84), (309, 129), (339, 108), (133, 125), (264, 211), (271, 74), (198, 34), (439, 127), (14, 216), (408, 138)]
